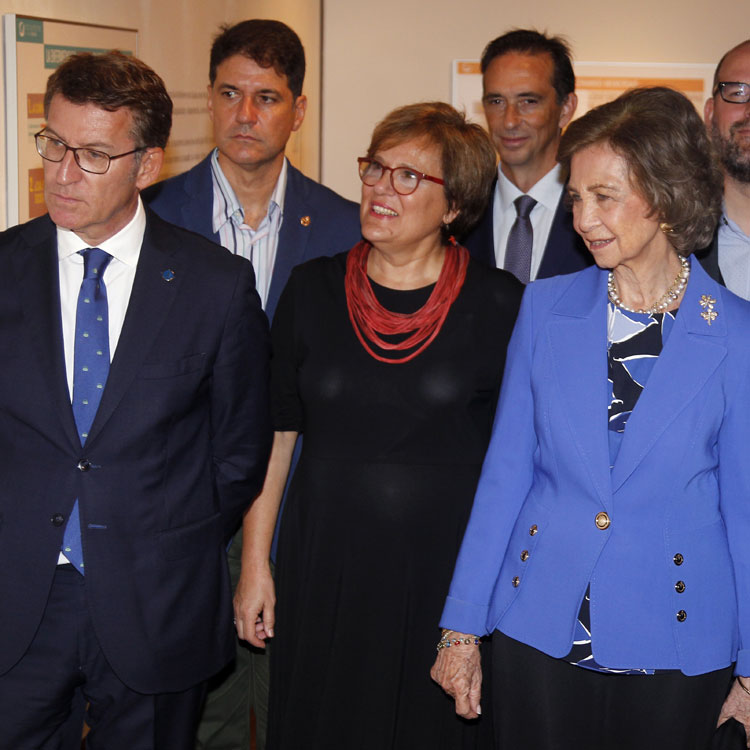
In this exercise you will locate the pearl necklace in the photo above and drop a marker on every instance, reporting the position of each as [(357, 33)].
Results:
[(666, 300)]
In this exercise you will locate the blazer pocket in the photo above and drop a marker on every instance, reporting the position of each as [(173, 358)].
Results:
[(192, 539), (173, 369)]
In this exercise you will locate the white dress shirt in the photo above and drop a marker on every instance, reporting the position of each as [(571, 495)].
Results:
[(259, 245), (125, 249), (546, 193)]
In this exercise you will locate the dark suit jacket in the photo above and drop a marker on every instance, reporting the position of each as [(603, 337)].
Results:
[(317, 221), (565, 251), (177, 451), (709, 259)]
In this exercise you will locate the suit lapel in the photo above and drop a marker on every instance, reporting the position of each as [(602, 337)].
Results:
[(565, 251), (298, 223), (150, 301), (481, 240), (36, 269), (690, 356), (197, 210), (577, 335)]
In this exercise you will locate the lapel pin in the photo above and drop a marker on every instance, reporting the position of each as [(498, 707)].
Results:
[(167, 275), (305, 221), (707, 302)]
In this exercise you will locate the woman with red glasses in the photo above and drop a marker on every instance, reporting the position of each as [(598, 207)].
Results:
[(388, 360)]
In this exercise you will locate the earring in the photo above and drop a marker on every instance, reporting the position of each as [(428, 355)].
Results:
[(666, 228)]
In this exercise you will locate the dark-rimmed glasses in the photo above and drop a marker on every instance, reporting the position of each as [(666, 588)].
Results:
[(88, 159), (734, 92), (404, 180)]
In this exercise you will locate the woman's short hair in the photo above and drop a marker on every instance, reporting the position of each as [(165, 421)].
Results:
[(466, 153), (661, 137)]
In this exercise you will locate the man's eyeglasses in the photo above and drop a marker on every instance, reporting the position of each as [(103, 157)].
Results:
[(404, 180), (88, 159), (734, 92)]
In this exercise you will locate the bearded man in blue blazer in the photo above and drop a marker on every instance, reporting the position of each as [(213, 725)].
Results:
[(246, 196), (134, 428), (528, 98)]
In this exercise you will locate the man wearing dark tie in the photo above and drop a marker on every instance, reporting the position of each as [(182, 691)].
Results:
[(528, 98), (134, 431)]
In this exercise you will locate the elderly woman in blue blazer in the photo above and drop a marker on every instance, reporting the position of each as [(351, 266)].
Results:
[(608, 549)]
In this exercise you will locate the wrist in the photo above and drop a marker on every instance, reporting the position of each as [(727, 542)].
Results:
[(450, 638)]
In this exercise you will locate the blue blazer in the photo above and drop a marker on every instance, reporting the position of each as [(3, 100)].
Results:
[(177, 451), (317, 221), (678, 497), (565, 251)]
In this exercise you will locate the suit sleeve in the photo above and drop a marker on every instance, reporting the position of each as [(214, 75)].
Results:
[(734, 482), (240, 411), (506, 477)]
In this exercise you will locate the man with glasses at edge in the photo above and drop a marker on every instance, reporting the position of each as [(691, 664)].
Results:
[(727, 116), (134, 432), (246, 196)]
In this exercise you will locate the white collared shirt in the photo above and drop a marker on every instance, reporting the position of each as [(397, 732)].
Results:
[(546, 193), (259, 245), (734, 257), (125, 249)]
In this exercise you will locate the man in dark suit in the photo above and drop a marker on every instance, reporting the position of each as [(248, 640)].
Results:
[(727, 116), (248, 197), (528, 98), (134, 431)]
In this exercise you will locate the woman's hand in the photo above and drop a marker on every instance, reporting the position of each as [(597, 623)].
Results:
[(737, 706), (254, 603), (458, 671), (255, 597)]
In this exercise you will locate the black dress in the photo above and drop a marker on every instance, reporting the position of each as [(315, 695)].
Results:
[(376, 510)]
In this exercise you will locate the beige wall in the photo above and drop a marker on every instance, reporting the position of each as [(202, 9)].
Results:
[(175, 37), (380, 55)]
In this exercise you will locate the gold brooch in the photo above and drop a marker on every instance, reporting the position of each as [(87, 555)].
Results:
[(707, 302), (305, 221)]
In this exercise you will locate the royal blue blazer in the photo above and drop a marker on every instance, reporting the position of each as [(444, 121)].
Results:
[(670, 573)]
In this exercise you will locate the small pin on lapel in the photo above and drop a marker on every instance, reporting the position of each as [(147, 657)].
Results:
[(707, 302), (167, 275), (305, 221)]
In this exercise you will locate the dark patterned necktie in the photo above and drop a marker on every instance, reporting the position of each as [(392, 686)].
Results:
[(90, 370), (520, 240)]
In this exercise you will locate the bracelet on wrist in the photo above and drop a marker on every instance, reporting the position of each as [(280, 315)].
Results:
[(448, 639), (742, 685)]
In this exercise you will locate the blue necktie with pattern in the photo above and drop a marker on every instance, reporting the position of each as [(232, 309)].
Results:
[(521, 240), (90, 370)]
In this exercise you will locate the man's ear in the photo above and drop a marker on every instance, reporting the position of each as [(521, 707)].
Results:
[(708, 113), (149, 168), (300, 107), (567, 110)]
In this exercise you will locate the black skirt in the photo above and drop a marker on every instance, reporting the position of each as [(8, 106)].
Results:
[(545, 703)]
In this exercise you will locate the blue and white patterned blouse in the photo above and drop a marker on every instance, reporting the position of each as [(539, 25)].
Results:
[(634, 342)]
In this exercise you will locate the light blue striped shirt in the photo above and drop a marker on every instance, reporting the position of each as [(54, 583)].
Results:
[(259, 245), (734, 257)]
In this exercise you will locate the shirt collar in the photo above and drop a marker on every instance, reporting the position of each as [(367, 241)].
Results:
[(232, 208), (731, 225), (125, 245), (546, 191)]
